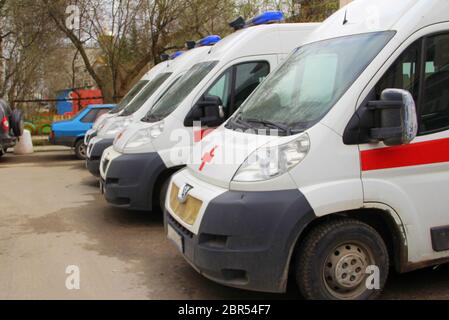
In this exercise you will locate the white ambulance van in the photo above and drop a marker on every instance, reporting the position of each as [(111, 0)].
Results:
[(357, 179), (166, 75), (137, 169), (135, 90)]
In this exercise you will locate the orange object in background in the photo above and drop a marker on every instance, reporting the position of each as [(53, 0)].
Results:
[(86, 99)]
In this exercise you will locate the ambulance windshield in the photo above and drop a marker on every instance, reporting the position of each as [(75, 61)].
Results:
[(176, 94), (301, 92), (130, 96)]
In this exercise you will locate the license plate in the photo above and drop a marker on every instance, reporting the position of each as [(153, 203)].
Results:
[(176, 238)]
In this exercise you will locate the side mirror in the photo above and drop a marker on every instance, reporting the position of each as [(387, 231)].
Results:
[(396, 122), (392, 120), (209, 111)]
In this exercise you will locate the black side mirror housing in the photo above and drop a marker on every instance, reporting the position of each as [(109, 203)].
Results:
[(392, 120), (190, 44), (238, 24), (208, 111), (164, 57)]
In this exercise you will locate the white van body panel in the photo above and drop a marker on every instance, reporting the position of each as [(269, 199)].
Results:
[(334, 183), (370, 16), (401, 192), (100, 120)]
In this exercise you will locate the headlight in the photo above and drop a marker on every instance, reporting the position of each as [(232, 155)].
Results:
[(144, 136), (117, 127), (270, 162)]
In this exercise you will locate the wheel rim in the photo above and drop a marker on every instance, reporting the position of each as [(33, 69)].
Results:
[(82, 150), (345, 268)]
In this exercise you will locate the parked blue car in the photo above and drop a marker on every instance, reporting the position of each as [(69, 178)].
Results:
[(71, 133)]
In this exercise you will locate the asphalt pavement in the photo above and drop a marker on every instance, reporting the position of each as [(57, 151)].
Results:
[(52, 216)]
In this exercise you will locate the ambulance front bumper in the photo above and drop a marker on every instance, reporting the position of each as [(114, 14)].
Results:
[(240, 239), (129, 179), (95, 150)]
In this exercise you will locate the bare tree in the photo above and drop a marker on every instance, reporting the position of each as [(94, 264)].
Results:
[(26, 37), (57, 12), (116, 40)]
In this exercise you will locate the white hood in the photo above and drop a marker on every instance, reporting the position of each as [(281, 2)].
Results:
[(124, 137), (101, 119), (227, 151), (110, 123)]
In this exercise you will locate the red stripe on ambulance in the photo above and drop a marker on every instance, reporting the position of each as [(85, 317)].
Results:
[(416, 154)]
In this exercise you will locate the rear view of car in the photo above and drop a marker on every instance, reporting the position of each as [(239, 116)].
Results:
[(11, 126)]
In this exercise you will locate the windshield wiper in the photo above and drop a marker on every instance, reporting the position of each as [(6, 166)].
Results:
[(239, 123), (151, 118), (267, 123), (246, 124)]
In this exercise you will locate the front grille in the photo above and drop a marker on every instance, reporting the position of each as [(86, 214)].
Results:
[(179, 227), (187, 211)]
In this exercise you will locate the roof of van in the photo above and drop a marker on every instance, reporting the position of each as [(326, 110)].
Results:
[(153, 72), (179, 64), (262, 39), (187, 59), (363, 16)]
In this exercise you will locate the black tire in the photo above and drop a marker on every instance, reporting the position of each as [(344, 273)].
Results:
[(334, 248), (17, 123), (2, 152), (80, 150), (163, 194)]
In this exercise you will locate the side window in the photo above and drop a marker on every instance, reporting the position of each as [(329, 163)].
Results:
[(90, 116), (168, 89), (404, 73), (222, 89), (237, 83), (248, 76), (434, 109), (101, 112)]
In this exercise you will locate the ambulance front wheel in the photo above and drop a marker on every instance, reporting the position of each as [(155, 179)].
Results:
[(342, 259)]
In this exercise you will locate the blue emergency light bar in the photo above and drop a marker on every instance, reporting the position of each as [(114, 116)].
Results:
[(208, 41), (265, 18), (176, 54)]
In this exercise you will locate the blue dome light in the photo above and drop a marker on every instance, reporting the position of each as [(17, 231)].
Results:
[(208, 41), (176, 54), (266, 17)]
